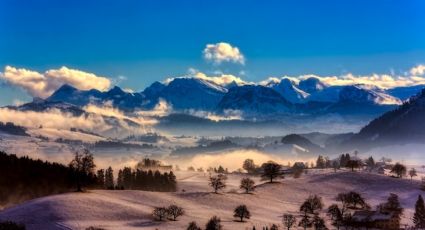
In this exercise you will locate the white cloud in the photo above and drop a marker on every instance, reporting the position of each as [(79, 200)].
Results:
[(418, 70), (380, 80), (223, 52), (222, 79), (44, 84)]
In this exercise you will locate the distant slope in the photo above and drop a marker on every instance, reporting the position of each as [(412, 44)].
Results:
[(402, 125), (302, 142)]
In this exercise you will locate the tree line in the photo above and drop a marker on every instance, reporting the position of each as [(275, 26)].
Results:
[(137, 179)]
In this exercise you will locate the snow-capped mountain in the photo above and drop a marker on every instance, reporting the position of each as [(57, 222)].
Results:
[(289, 90), (187, 93), (366, 94), (254, 99), (311, 85), (116, 96)]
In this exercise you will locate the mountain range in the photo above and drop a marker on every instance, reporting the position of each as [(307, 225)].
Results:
[(308, 96)]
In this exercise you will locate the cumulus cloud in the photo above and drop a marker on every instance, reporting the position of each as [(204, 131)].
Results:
[(223, 52), (222, 79), (44, 84), (418, 70), (380, 80), (54, 118)]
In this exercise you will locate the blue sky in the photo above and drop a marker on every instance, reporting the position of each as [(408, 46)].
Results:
[(151, 40)]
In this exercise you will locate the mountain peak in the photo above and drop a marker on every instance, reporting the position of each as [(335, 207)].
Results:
[(311, 85)]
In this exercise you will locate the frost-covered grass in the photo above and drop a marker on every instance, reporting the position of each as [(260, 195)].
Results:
[(132, 209)]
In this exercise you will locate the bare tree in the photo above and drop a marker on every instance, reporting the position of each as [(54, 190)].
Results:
[(218, 182), (83, 164), (247, 184), (412, 173), (160, 213), (271, 170), (242, 212), (289, 220), (175, 211)]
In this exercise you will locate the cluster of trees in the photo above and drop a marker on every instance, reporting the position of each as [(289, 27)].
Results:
[(214, 223), (171, 212), (138, 180), (23, 178), (9, 225)]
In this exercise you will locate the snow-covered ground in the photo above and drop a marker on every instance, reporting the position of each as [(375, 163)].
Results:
[(132, 209)]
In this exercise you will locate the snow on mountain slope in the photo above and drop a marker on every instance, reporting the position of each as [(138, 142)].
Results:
[(367, 94), (289, 90), (188, 93), (132, 209)]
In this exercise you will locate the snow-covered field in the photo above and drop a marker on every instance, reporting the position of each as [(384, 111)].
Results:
[(132, 209)]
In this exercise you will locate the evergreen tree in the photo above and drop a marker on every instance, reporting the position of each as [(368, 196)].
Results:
[(320, 162), (109, 178), (193, 226), (289, 220), (101, 178), (419, 215)]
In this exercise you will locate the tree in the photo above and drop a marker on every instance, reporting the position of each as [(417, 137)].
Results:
[(419, 215), (336, 215), (335, 165), (247, 184), (160, 213), (320, 162), (352, 164), (370, 162), (351, 200), (343, 159), (214, 224), (312, 204), (193, 226), (412, 173), (319, 223), (175, 211), (399, 170), (392, 205), (101, 178), (109, 178), (271, 170), (274, 227), (289, 220), (249, 166), (83, 163), (305, 222), (218, 182), (241, 212)]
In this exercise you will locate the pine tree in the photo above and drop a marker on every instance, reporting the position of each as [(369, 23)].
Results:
[(109, 178), (419, 215)]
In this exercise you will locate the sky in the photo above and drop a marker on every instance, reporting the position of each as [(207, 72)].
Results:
[(134, 43)]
